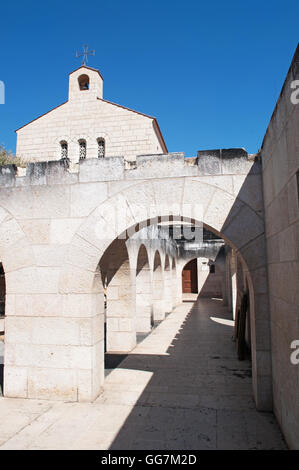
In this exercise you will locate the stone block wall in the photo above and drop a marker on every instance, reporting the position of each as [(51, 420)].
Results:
[(280, 159)]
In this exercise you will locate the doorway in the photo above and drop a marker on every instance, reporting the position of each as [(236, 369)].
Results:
[(189, 278)]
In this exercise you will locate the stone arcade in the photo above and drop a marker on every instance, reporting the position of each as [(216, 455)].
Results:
[(77, 228)]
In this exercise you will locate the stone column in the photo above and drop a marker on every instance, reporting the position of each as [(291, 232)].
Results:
[(233, 284), (121, 328), (54, 344), (144, 293), (168, 293), (175, 286), (158, 289), (118, 269)]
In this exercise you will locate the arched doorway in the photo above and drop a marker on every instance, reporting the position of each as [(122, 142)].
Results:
[(189, 277)]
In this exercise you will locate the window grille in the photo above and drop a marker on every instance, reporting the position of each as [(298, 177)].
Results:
[(63, 146), (101, 148), (82, 150)]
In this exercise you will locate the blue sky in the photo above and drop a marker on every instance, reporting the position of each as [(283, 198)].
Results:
[(211, 72)]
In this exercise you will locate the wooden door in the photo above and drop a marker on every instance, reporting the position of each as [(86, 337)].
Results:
[(189, 277)]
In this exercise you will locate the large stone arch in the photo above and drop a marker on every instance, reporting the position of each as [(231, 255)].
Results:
[(222, 212), (238, 223), (69, 363)]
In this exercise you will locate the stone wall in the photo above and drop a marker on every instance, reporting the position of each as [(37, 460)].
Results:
[(214, 278), (280, 159)]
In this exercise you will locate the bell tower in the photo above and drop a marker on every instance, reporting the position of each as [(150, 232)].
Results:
[(85, 84)]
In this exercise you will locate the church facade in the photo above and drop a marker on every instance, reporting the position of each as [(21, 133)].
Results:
[(87, 126)]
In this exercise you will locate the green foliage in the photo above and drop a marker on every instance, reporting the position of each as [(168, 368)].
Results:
[(8, 158)]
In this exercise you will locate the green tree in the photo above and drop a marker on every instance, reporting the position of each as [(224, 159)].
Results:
[(8, 158)]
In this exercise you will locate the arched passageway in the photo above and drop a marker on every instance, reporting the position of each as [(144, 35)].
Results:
[(122, 313)]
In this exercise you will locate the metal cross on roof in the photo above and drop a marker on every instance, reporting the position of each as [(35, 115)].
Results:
[(85, 52)]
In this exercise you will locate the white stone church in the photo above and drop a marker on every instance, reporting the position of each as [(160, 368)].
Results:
[(87, 126)]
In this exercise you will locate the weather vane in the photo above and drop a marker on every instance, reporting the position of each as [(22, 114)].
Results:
[(84, 54)]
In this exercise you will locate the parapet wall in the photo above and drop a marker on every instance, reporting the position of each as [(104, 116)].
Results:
[(207, 162)]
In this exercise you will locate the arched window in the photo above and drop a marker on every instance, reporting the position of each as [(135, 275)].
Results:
[(63, 149), (83, 81), (82, 149), (101, 148)]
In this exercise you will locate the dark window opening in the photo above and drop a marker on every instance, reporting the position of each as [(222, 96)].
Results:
[(101, 148), (82, 149), (63, 147), (83, 81)]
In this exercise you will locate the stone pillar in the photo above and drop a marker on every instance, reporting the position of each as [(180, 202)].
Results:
[(233, 284), (229, 279), (121, 330), (175, 286), (54, 344), (144, 293), (158, 289), (168, 292), (178, 279)]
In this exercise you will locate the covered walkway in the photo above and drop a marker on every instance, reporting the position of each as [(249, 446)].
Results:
[(180, 388)]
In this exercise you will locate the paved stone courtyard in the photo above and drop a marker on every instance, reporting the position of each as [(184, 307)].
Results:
[(180, 388)]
